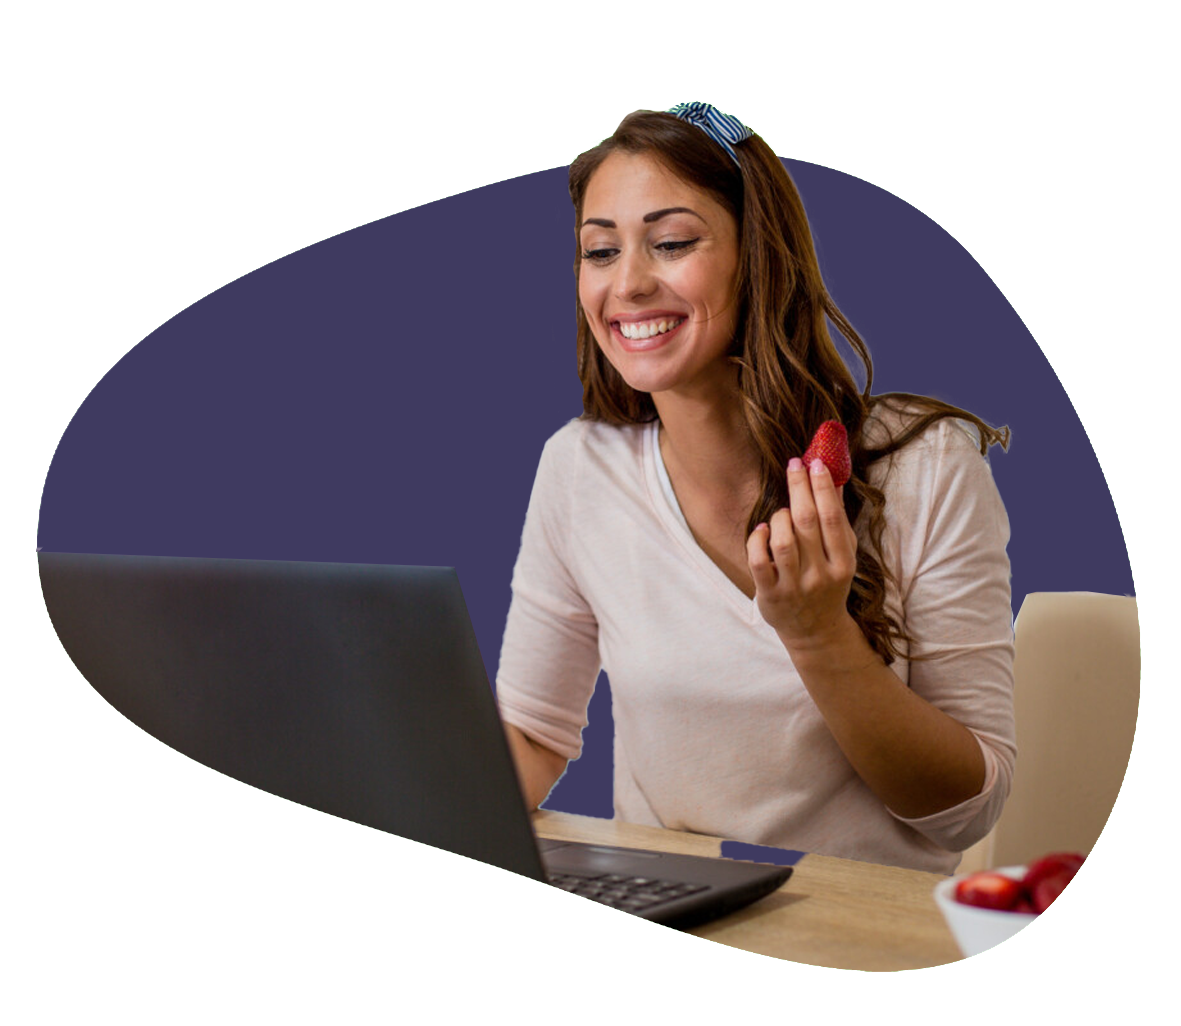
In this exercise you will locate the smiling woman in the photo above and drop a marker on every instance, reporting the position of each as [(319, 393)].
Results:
[(793, 663)]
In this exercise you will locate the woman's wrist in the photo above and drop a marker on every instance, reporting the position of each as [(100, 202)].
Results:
[(840, 645)]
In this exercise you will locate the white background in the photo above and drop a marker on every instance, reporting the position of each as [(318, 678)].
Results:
[(157, 152)]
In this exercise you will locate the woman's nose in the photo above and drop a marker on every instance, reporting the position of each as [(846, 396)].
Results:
[(634, 276)]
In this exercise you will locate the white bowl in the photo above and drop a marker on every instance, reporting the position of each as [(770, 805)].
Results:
[(978, 929)]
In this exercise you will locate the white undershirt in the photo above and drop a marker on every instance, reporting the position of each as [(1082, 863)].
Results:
[(666, 484)]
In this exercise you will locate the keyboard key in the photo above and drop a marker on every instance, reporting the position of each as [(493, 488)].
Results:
[(629, 893)]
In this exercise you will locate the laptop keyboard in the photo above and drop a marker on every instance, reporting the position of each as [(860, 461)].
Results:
[(629, 893)]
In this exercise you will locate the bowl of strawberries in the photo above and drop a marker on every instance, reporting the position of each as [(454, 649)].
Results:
[(982, 909)]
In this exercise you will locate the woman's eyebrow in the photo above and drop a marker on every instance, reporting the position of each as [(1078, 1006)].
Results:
[(655, 215)]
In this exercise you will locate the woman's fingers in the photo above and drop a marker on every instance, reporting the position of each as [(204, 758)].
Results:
[(807, 546), (804, 516), (785, 547), (803, 559), (822, 529), (758, 558), (833, 524)]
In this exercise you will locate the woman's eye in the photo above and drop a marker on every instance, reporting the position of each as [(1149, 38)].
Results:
[(676, 246), (598, 256)]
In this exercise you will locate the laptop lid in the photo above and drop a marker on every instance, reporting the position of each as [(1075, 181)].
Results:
[(354, 689)]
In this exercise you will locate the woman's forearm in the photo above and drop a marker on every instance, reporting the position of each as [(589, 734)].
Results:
[(914, 757), (538, 768)]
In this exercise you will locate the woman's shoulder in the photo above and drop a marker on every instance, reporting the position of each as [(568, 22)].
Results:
[(890, 422), (587, 454), (584, 460), (942, 458), (581, 436)]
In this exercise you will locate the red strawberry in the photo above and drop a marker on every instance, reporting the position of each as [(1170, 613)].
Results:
[(1051, 865), (989, 890), (831, 445), (1043, 893), (1046, 878)]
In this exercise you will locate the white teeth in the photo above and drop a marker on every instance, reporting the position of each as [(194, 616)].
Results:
[(647, 329)]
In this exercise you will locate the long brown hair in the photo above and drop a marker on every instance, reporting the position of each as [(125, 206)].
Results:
[(790, 375)]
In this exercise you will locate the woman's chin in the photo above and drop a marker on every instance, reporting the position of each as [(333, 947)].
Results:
[(636, 376), (713, 382), (647, 383)]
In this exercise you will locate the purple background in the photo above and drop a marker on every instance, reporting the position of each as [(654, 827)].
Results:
[(383, 397)]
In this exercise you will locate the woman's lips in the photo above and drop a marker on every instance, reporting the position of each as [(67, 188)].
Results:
[(642, 345)]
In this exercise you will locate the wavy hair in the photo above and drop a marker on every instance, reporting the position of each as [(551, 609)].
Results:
[(790, 375)]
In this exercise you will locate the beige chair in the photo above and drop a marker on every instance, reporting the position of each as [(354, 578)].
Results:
[(1077, 690)]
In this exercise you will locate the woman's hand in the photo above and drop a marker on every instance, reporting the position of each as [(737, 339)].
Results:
[(803, 561)]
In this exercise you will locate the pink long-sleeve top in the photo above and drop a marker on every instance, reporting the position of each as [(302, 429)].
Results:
[(714, 730)]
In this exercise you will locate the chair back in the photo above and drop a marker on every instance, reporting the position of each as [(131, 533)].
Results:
[(1077, 669)]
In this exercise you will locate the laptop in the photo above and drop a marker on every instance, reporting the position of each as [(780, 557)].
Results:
[(354, 689)]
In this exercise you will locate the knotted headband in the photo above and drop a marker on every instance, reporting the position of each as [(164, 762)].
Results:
[(724, 129)]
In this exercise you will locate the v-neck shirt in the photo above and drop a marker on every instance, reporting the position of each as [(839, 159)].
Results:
[(714, 730)]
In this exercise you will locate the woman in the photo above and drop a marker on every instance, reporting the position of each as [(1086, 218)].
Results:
[(792, 663)]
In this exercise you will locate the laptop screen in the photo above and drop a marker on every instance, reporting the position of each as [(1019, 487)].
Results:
[(354, 689)]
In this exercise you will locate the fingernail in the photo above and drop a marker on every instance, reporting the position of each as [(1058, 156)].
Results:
[(795, 463), (818, 467), (760, 527)]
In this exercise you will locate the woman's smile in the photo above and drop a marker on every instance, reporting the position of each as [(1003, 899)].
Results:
[(645, 332)]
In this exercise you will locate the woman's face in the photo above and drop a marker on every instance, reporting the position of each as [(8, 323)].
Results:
[(659, 263)]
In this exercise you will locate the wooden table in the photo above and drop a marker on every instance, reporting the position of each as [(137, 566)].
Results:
[(832, 912)]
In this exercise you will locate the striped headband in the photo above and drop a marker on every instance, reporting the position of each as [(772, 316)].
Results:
[(724, 129)]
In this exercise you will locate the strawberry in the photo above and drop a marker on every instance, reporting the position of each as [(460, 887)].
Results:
[(1051, 865), (1024, 905), (1043, 893), (989, 890), (1046, 878), (830, 444)]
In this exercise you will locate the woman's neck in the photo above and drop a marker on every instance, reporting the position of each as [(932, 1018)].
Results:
[(707, 445)]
